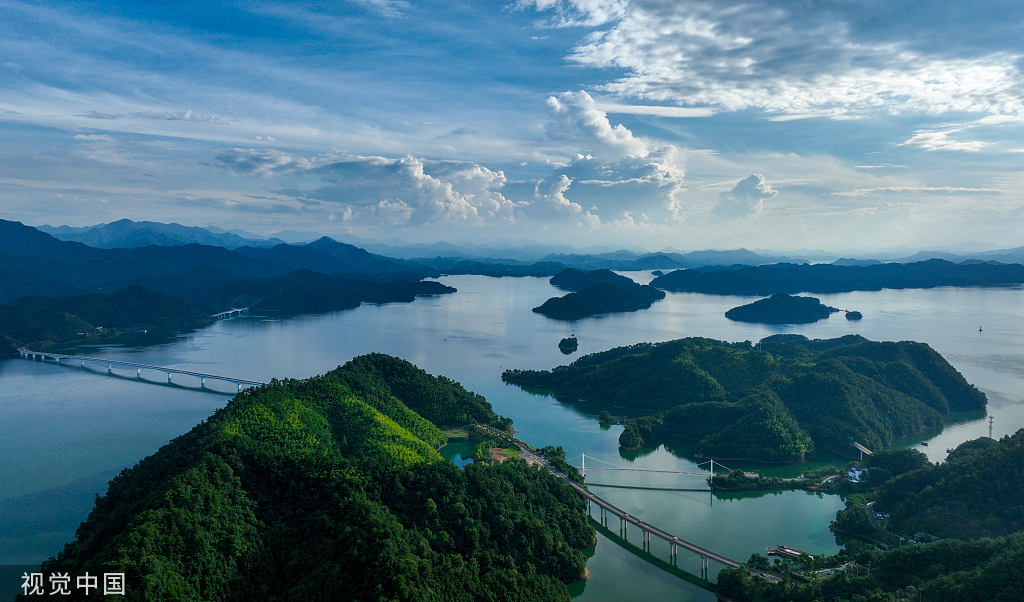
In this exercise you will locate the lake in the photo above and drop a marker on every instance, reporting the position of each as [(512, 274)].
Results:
[(66, 431)]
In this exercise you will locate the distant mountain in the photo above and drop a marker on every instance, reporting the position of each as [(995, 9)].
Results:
[(826, 278), (126, 234), (575, 280), (857, 262), (35, 263)]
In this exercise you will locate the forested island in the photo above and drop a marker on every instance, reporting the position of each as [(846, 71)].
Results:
[(776, 402), (960, 524), (782, 309), (331, 488), (596, 292), (831, 278)]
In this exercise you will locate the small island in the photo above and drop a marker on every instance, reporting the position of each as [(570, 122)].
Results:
[(782, 309), (596, 292), (568, 345), (853, 315)]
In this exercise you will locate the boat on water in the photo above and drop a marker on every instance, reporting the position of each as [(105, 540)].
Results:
[(787, 552)]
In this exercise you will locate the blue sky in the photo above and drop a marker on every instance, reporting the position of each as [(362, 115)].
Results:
[(838, 124)]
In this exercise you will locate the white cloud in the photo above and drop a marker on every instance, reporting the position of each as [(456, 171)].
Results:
[(405, 190), (264, 162), (575, 116), (938, 140), (915, 190), (555, 200), (577, 13), (745, 199), (732, 56), (387, 8), (659, 111)]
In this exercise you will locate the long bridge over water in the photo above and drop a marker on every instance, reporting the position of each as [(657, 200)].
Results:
[(83, 360), (647, 530)]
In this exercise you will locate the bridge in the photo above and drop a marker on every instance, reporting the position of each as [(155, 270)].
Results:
[(83, 360), (231, 313), (625, 519)]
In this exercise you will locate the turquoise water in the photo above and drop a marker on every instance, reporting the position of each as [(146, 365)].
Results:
[(65, 431)]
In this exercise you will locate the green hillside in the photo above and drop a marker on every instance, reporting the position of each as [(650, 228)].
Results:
[(977, 492), (330, 489), (974, 499), (776, 402), (55, 320)]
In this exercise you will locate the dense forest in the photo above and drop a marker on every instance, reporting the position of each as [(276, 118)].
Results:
[(330, 488), (596, 292), (977, 492), (48, 321), (973, 499), (782, 309), (776, 402), (305, 291), (831, 278)]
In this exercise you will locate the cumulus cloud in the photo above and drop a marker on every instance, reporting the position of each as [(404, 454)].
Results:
[(745, 199), (575, 116), (554, 199), (732, 56), (394, 191)]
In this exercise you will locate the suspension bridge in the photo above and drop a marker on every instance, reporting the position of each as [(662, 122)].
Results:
[(616, 468), (625, 519), (84, 361)]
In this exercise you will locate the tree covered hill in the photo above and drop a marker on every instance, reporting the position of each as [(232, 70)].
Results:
[(973, 499), (35, 263), (330, 488), (977, 492), (774, 403), (782, 309), (596, 292), (48, 321), (829, 278)]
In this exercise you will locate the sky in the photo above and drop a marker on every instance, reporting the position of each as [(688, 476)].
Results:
[(646, 124)]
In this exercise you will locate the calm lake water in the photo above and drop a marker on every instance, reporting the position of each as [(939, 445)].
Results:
[(65, 431)]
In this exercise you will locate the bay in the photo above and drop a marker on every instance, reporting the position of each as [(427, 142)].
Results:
[(65, 431)]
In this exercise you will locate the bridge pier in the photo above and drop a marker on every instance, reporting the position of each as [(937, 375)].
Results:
[(704, 567), (622, 527), (110, 369), (138, 373), (202, 383), (168, 377)]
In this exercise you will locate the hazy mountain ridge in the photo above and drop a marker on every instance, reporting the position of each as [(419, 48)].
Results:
[(126, 233)]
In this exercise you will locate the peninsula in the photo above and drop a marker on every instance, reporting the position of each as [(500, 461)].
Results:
[(331, 488), (777, 402)]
